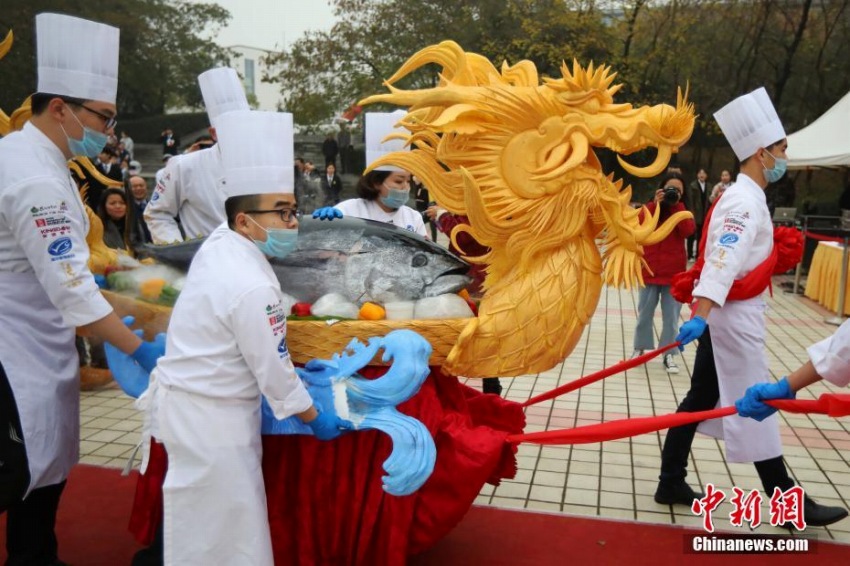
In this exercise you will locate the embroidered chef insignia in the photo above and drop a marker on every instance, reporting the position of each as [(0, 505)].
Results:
[(282, 349)]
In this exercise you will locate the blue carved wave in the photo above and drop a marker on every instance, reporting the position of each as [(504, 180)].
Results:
[(372, 403)]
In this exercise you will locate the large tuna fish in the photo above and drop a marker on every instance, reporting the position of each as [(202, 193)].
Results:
[(361, 259)]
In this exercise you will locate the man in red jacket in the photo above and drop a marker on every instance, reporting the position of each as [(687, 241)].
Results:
[(664, 259)]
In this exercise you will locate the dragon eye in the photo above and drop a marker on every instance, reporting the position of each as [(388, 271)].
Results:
[(419, 260)]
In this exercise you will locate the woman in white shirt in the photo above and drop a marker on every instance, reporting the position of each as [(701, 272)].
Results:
[(383, 198)]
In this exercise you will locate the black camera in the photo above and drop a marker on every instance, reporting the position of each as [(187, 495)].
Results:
[(671, 195)]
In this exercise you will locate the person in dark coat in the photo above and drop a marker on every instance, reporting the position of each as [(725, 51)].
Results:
[(331, 185), (330, 149), (696, 200)]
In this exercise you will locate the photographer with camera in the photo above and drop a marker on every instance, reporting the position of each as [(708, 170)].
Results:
[(664, 260)]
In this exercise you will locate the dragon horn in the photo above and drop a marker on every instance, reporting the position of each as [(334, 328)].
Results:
[(665, 152)]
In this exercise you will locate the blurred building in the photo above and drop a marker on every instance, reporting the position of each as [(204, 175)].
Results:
[(248, 62)]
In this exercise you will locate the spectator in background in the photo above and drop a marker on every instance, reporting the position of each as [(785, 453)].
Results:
[(309, 171), (725, 181), (663, 260), (344, 144), (129, 144), (122, 152), (331, 185), (170, 142), (696, 200), (422, 201), (139, 195), (125, 169), (106, 164), (113, 213), (309, 196), (330, 149)]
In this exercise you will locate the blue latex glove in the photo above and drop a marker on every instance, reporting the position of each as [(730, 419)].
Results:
[(101, 281), (690, 331), (132, 378), (327, 213), (149, 352), (751, 405), (328, 426)]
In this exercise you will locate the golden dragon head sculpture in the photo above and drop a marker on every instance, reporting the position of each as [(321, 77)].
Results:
[(517, 157)]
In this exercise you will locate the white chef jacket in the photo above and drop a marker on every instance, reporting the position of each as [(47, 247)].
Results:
[(192, 186), (227, 333), (740, 237), (226, 344), (405, 217), (831, 357), (46, 290)]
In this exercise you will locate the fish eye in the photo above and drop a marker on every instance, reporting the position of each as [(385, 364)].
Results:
[(419, 260)]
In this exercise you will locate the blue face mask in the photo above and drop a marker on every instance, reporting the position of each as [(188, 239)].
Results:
[(779, 167), (90, 145), (280, 242), (396, 198)]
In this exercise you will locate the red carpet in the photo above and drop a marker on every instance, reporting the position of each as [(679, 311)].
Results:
[(96, 505), (497, 537), (92, 521)]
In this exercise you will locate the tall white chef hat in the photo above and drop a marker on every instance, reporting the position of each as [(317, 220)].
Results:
[(256, 152), (379, 125), (76, 57), (222, 91), (750, 122)]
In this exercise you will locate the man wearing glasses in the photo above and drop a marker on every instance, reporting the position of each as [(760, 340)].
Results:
[(47, 288), (192, 185), (226, 346)]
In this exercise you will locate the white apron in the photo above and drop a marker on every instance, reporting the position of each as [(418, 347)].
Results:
[(215, 443), (737, 337), (38, 354)]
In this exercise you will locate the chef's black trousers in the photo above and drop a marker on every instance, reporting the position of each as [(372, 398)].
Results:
[(703, 396), (30, 522)]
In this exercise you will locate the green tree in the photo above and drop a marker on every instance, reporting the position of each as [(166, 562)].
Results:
[(721, 48), (325, 72), (165, 45)]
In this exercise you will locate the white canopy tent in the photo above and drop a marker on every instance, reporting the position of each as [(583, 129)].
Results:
[(825, 142)]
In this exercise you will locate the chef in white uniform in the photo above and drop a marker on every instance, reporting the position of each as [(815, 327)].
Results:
[(226, 345), (829, 360), (46, 288), (384, 192), (191, 186), (731, 356)]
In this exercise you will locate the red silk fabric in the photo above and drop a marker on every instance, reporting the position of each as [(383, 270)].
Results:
[(786, 253), (326, 502), (832, 404)]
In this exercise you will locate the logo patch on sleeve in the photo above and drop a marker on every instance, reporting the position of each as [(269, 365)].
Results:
[(60, 247)]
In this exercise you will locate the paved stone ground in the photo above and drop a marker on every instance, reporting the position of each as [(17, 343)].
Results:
[(612, 479)]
